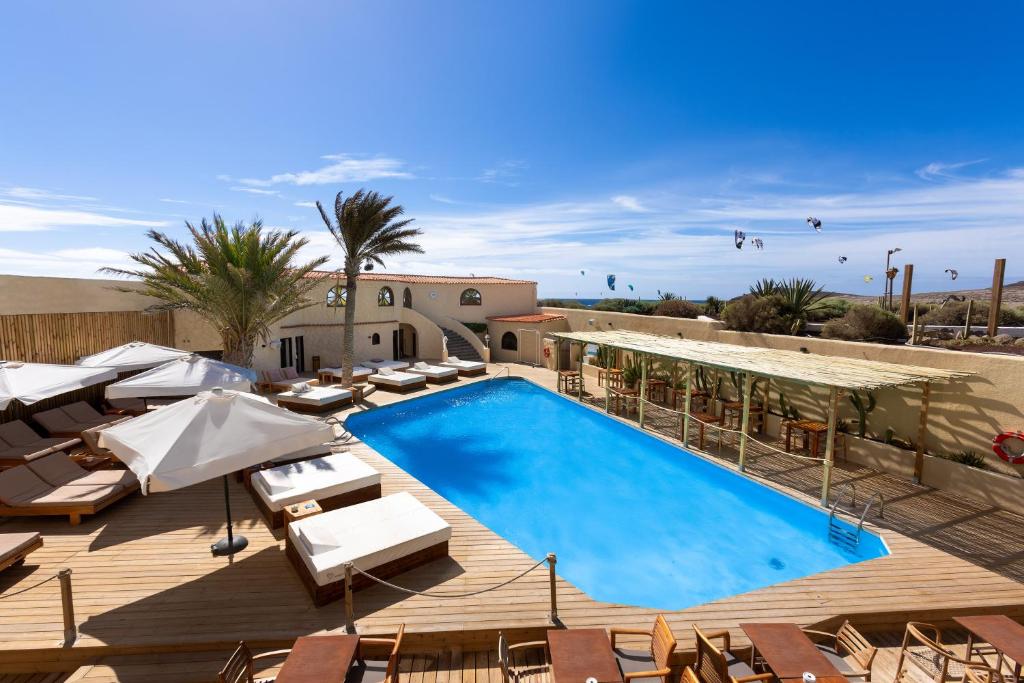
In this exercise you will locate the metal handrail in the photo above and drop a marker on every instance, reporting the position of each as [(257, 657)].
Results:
[(504, 368), (881, 506), (853, 494)]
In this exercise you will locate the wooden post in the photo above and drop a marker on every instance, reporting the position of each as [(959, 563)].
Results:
[(675, 378), (609, 362), (686, 404), (67, 604), (765, 405), (558, 354), (913, 329), (552, 560), (908, 277), (748, 385), (997, 297), (922, 432), (350, 619), (967, 320), (643, 389), (580, 387), (830, 445)]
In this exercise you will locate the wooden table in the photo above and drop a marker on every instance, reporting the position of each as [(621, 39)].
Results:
[(581, 653), (296, 511), (567, 380), (620, 397), (735, 408), (319, 659), (814, 430), (1004, 634), (698, 399), (613, 376), (656, 388), (703, 420), (789, 653)]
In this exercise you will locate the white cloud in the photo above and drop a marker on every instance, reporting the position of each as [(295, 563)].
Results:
[(306, 205), (22, 218), (503, 173), (35, 194), (939, 170), (344, 168), (84, 263), (443, 200), (173, 201), (628, 203), (255, 190)]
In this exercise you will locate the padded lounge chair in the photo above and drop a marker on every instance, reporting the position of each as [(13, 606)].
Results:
[(392, 380), (435, 373), (372, 670), (72, 420), (14, 548), (58, 469), (654, 663), (315, 399), (359, 373), (334, 481), (19, 443), (281, 379), (714, 665), (378, 363), (846, 643), (385, 537), (466, 368), (24, 494)]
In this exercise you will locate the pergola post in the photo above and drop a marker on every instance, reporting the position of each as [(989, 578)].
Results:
[(686, 404), (609, 361), (748, 385), (765, 405), (922, 432), (558, 354), (580, 385), (830, 444), (675, 378), (643, 389)]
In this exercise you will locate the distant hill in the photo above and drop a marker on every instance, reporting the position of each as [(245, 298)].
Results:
[(1013, 295)]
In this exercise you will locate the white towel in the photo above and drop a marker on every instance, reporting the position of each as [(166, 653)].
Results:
[(386, 371), (300, 388), (453, 359), (422, 366)]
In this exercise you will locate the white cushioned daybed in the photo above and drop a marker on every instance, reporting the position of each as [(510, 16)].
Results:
[(378, 363), (386, 378), (359, 373), (466, 368), (384, 537), (334, 481), (435, 373), (314, 399)]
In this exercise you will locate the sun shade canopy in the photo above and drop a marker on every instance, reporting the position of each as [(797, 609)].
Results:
[(806, 368), (135, 355), (210, 435), (32, 382), (185, 376)]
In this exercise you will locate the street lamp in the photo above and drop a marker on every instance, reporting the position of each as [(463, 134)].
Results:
[(890, 276)]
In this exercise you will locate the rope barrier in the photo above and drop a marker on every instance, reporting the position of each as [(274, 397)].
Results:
[(24, 590), (430, 594)]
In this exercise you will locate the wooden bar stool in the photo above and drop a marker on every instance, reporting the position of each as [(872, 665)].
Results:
[(656, 389), (568, 380), (622, 398), (703, 420)]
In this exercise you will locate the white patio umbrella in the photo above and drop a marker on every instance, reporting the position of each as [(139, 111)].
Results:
[(32, 382), (211, 435), (134, 355), (186, 376)]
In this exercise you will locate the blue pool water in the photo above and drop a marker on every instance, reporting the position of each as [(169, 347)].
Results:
[(633, 519)]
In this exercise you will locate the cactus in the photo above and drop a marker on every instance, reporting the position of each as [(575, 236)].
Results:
[(787, 410), (862, 409)]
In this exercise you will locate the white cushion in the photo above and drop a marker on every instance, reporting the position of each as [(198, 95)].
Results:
[(300, 387), (316, 479), (453, 359), (316, 396), (453, 362), (386, 371), (434, 371), (396, 379), (421, 366), (368, 535)]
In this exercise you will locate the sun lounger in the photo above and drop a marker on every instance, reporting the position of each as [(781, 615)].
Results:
[(386, 378), (280, 379), (359, 374), (466, 368), (378, 363), (435, 373), (385, 537), (72, 420), (24, 494), (314, 399), (14, 548), (334, 481), (19, 443), (58, 469)]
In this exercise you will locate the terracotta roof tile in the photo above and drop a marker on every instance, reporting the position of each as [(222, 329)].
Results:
[(526, 318), (422, 279)]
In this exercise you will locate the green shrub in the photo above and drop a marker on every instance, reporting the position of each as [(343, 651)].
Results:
[(613, 305), (828, 309), (752, 313), (865, 323), (955, 313), (640, 308), (560, 303), (479, 328), (677, 308), (969, 458), (714, 306)]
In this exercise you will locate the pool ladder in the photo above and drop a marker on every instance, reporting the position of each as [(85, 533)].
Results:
[(840, 535)]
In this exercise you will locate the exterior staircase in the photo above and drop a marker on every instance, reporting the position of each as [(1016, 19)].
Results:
[(458, 346)]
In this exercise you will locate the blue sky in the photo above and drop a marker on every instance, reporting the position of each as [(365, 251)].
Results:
[(528, 139)]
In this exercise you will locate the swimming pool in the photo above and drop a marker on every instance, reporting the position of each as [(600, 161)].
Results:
[(634, 520)]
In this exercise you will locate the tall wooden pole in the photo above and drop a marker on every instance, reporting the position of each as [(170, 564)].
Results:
[(643, 389), (686, 404), (748, 385), (580, 386), (997, 297), (830, 445), (765, 405), (558, 355), (908, 277), (922, 432), (609, 361)]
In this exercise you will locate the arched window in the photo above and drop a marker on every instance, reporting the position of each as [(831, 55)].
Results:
[(336, 296), (509, 341), (385, 297), (407, 298), (470, 297), (375, 339)]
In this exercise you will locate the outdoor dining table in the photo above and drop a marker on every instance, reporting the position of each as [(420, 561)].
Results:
[(1004, 634), (789, 653), (581, 653), (656, 390), (319, 659)]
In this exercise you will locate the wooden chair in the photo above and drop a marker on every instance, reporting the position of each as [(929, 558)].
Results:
[(371, 668), (846, 642), (719, 665), (518, 666), (923, 648), (239, 668), (980, 673), (655, 662)]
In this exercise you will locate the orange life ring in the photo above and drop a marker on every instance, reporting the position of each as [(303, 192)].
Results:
[(547, 352), (1010, 447)]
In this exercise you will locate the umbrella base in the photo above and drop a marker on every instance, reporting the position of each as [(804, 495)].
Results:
[(224, 546)]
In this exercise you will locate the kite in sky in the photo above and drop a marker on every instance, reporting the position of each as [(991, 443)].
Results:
[(814, 223)]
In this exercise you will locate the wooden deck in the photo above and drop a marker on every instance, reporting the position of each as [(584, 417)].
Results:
[(145, 581)]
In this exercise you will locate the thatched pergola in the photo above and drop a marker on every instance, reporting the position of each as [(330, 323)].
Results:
[(836, 374)]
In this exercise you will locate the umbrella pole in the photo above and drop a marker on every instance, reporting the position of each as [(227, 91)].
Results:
[(232, 544)]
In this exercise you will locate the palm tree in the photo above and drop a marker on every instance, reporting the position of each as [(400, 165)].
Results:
[(367, 228), (666, 296), (240, 279)]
